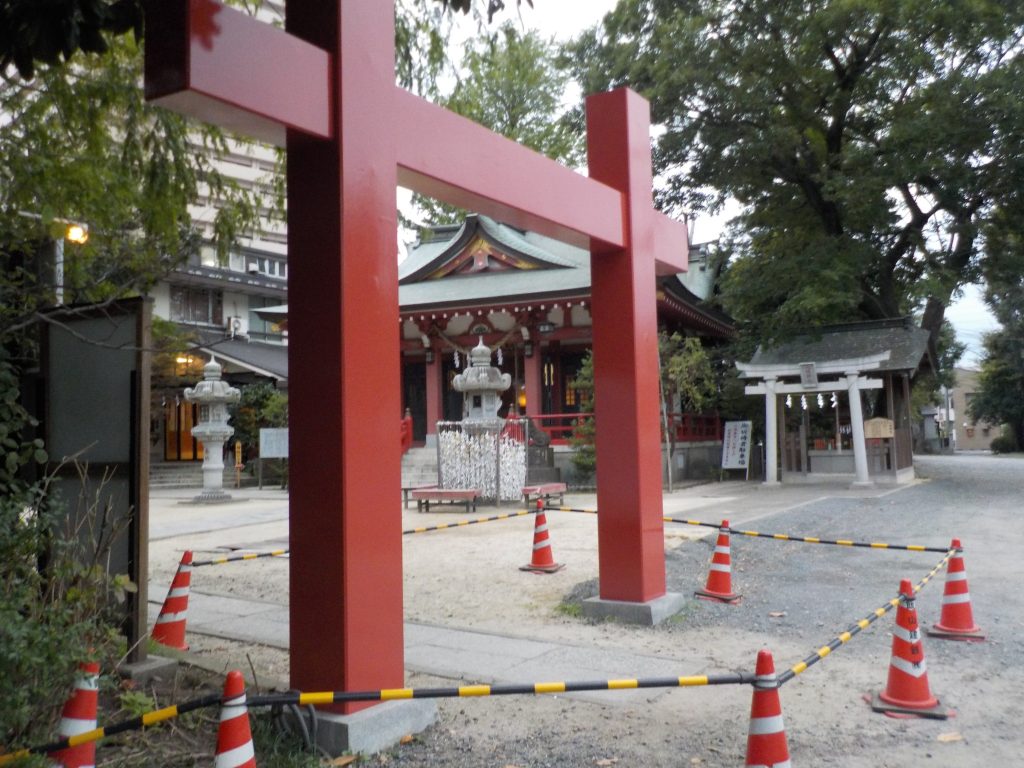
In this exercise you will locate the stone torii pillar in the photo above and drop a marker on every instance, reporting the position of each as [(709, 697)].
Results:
[(325, 89), (771, 432), (854, 381)]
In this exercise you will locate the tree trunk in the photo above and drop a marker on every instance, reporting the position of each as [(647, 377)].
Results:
[(934, 314)]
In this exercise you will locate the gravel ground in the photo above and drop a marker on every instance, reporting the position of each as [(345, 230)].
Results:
[(796, 598)]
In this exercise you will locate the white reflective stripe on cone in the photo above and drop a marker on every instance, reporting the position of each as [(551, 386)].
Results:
[(90, 683), (724, 567), (230, 711), (909, 667), (72, 726), (762, 726), (956, 576), (236, 757), (961, 598), (721, 550), (167, 618), (541, 545), (910, 635), (784, 764), (178, 592)]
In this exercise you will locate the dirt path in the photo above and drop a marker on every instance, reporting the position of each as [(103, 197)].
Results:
[(797, 597)]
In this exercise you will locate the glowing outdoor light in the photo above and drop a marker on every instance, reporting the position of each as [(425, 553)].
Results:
[(77, 233)]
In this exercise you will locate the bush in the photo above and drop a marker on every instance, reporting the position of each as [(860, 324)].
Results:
[(1004, 444), (54, 613)]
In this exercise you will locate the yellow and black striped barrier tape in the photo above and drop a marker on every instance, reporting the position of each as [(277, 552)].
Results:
[(782, 536), (463, 523), (386, 694), (854, 629), (812, 539), (237, 558), (440, 527), (571, 509)]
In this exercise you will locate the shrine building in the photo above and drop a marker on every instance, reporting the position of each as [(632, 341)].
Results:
[(528, 298)]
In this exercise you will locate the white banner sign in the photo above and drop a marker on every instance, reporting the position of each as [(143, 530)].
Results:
[(736, 445)]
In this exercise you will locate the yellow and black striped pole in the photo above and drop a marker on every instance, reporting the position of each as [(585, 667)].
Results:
[(387, 694), (508, 689), (134, 724), (462, 523), (814, 539), (237, 558)]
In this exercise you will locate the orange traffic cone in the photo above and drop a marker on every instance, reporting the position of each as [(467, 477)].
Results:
[(543, 560), (957, 619), (79, 716), (169, 629), (234, 739), (766, 739), (907, 693), (719, 586)]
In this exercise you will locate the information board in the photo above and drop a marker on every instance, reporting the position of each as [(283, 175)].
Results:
[(274, 443), (736, 445)]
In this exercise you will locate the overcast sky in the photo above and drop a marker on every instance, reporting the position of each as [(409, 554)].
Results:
[(564, 18)]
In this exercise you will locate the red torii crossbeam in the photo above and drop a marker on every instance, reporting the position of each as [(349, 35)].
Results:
[(325, 89)]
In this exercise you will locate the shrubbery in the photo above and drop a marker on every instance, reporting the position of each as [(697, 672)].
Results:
[(1004, 444), (55, 593)]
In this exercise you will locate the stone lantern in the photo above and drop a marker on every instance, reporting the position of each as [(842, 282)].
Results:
[(481, 385), (213, 395)]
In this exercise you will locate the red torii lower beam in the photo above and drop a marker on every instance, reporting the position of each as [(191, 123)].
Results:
[(327, 85)]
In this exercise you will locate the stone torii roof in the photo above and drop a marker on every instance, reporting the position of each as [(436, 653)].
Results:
[(908, 346)]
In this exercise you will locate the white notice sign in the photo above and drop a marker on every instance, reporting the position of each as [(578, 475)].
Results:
[(736, 445), (274, 443)]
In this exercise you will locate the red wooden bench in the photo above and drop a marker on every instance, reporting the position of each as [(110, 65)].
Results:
[(424, 497), (407, 489), (544, 491)]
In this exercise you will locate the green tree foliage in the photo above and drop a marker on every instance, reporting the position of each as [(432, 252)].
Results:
[(1000, 395), (686, 371), (51, 32), (78, 143), (867, 141), (511, 82), (261, 406)]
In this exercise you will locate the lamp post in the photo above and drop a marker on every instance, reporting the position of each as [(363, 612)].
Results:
[(75, 233)]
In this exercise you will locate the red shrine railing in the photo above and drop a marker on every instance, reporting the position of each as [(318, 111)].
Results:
[(693, 427), (685, 427), (559, 426)]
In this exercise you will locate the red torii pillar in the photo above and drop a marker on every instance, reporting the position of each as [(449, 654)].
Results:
[(325, 89)]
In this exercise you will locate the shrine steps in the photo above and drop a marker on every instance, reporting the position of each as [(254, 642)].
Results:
[(419, 467)]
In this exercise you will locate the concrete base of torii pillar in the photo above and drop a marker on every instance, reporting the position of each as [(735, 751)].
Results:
[(650, 613), (374, 729)]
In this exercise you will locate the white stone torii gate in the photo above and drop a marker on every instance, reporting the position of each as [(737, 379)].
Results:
[(849, 372)]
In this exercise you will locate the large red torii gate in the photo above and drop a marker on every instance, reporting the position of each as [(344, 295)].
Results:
[(325, 89)]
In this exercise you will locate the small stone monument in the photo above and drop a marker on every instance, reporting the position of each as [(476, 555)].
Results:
[(213, 395), (481, 385)]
